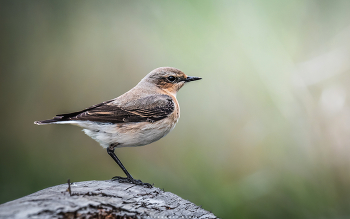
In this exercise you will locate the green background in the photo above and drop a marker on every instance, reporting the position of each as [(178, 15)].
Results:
[(265, 134)]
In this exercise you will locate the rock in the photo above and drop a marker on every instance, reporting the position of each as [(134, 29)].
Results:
[(102, 199)]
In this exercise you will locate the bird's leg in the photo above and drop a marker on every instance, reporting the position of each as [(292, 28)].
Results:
[(129, 178)]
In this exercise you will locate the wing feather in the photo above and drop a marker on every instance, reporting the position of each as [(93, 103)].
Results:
[(150, 109)]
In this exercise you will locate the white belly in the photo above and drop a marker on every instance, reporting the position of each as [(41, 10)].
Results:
[(128, 134)]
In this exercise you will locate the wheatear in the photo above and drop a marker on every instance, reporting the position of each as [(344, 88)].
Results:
[(143, 115)]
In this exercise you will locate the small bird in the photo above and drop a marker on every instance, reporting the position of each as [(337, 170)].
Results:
[(143, 115)]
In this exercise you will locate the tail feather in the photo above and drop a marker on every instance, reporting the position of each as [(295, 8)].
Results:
[(68, 117), (61, 118), (50, 121)]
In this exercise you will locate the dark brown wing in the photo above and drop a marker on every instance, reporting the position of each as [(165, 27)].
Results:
[(151, 108)]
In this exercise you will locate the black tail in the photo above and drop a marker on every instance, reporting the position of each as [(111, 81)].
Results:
[(68, 116), (50, 121)]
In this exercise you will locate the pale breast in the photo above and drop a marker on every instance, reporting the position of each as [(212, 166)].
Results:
[(131, 134)]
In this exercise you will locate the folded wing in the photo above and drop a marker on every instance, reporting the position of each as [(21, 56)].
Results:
[(148, 109)]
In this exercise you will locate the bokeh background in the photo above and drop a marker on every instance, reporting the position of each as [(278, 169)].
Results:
[(265, 134)]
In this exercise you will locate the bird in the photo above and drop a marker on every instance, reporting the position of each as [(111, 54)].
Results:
[(142, 115)]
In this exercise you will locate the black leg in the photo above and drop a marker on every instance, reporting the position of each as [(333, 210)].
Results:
[(129, 178)]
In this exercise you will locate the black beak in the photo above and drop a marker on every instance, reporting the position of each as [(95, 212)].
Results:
[(189, 78)]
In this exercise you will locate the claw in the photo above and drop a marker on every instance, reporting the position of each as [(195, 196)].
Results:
[(132, 181)]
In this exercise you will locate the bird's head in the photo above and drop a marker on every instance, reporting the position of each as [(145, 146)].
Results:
[(168, 79)]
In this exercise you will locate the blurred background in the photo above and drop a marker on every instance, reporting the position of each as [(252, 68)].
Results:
[(265, 134)]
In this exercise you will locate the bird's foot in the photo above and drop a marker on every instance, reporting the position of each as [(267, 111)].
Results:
[(132, 181)]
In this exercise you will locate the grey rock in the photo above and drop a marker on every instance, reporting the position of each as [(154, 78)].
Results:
[(101, 199)]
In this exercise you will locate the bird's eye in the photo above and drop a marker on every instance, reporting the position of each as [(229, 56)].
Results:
[(171, 78)]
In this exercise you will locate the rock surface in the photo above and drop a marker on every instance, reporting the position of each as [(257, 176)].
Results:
[(102, 199)]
